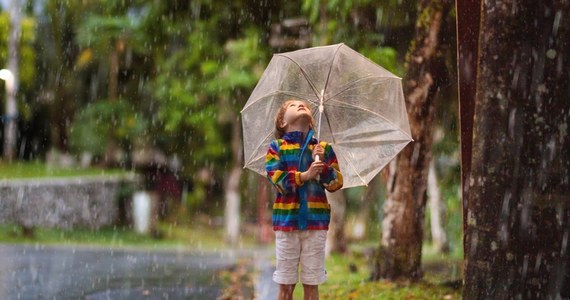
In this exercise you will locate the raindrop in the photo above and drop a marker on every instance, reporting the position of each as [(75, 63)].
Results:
[(551, 53)]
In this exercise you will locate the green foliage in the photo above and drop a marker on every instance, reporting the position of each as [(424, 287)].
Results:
[(185, 108), (386, 57), (100, 32), (197, 84), (334, 22), (27, 53), (201, 88), (243, 65), (343, 17), (100, 121)]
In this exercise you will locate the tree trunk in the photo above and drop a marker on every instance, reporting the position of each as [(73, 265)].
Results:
[(111, 157), (62, 107), (113, 87), (468, 22), (263, 213), (336, 239), (437, 211), (10, 127), (516, 240), (404, 208), (232, 195)]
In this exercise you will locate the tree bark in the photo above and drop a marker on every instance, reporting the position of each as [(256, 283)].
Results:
[(468, 22), (232, 194), (263, 212), (404, 208), (518, 214), (62, 107), (336, 238), (113, 148), (113, 88), (437, 211)]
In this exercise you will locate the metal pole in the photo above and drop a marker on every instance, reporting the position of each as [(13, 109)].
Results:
[(321, 109)]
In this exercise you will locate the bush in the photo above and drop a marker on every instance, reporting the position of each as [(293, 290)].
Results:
[(103, 121)]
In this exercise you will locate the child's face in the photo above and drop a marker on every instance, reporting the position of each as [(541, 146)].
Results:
[(297, 111)]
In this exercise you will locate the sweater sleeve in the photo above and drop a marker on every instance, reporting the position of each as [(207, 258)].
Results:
[(331, 177), (286, 181)]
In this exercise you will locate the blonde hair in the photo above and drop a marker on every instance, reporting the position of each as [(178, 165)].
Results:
[(280, 131)]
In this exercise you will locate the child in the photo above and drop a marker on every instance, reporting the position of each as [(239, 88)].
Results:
[(301, 212)]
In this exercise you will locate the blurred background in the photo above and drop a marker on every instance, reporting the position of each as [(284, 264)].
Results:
[(126, 129)]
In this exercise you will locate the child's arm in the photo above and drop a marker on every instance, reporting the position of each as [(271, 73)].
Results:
[(331, 177), (286, 181)]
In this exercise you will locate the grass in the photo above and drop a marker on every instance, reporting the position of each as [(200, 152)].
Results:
[(37, 169), (197, 237), (348, 279)]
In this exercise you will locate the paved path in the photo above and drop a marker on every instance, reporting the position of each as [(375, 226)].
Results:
[(28, 272), (265, 287)]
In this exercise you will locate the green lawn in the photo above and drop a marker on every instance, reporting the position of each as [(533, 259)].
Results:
[(348, 279), (198, 237), (36, 169)]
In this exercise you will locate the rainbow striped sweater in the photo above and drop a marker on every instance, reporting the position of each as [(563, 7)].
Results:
[(300, 205)]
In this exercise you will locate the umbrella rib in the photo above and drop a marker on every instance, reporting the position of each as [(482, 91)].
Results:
[(275, 93), (353, 168), (253, 159), (352, 84), (372, 112), (330, 127), (330, 68), (259, 145), (302, 72)]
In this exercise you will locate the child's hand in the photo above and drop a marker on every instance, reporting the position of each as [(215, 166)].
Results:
[(314, 170), (319, 150)]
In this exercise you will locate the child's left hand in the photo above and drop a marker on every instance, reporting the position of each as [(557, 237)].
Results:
[(320, 151)]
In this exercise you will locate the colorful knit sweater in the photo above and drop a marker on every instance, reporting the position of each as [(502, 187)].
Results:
[(300, 205)]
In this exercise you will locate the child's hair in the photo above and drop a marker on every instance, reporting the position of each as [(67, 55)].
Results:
[(280, 131)]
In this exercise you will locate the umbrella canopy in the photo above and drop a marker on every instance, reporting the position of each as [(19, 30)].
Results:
[(363, 113)]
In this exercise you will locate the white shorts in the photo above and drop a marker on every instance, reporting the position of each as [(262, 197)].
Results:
[(301, 247)]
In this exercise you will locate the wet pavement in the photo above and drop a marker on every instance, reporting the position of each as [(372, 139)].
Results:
[(265, 287), (45, 272)]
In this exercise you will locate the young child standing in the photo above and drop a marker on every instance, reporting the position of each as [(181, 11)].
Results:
[(300, 168)]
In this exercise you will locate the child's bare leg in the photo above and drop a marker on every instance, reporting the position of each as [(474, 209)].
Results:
[(311, 292), (286, 291)]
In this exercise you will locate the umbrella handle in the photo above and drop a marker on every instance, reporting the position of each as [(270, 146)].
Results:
[(317, 159)]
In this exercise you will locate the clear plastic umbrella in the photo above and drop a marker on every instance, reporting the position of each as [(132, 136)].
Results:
[(359, 108)]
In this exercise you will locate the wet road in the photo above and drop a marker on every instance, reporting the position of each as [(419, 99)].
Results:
[(44, 272)]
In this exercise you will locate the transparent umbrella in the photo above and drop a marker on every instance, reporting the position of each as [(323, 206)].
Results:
[(359, 107)]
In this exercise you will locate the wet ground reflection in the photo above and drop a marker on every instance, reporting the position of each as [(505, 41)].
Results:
[(30, 272)]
